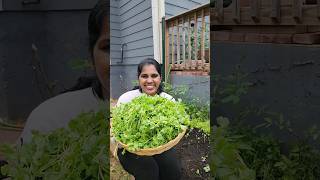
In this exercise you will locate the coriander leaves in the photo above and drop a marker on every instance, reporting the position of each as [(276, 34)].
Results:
[(148, 122)]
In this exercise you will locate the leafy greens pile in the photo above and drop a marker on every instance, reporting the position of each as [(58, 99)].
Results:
[(148, 121), (77, 152)]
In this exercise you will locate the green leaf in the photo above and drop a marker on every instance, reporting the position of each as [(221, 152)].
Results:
[(223, 122)]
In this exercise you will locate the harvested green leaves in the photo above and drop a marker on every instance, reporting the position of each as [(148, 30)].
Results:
[(78, 152), (148, 121)]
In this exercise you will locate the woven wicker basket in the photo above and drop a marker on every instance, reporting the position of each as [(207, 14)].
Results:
[(159, 149)]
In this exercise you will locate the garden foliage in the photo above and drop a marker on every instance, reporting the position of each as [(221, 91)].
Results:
[(241, 150), (77, 152)]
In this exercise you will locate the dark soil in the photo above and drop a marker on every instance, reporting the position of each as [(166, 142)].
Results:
[(193, 150)]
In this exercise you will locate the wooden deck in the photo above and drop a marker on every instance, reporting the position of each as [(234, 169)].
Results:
[(266, 21), (187, 40), (266, 12)]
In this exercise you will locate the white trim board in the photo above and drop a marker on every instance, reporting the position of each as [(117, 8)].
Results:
[(1, 5), (157, 14)]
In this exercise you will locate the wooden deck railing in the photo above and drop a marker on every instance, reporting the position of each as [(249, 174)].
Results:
[(187, 43), (266, 12), (266, 21)]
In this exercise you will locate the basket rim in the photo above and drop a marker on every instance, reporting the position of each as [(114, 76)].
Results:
[(160, 148)]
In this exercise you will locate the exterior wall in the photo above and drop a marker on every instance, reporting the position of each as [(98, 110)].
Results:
[(132, 27), (136, 30), (60, 37), (17, 5), (199, 86), (173, 7), (17, 84), (285, 79), (121, 78), (115, 33)]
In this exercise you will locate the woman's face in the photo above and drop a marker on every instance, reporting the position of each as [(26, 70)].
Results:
[(101, 57), (149, 79)]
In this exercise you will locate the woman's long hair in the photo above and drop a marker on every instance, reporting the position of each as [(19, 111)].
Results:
[(95, 23)]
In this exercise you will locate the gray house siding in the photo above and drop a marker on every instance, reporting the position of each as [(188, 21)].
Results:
[(132, 26), (136, 30), (115, 34), (174, 7)]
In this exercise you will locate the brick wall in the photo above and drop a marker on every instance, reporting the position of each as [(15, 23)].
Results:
[(269, 34)]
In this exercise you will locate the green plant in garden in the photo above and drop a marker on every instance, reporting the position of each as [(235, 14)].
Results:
[(230, 88), (264, 152), (80, 151), (249, 150), (148, 121), (226, 162), (197, 110), (80, 64), (240, 153), (267, 159)]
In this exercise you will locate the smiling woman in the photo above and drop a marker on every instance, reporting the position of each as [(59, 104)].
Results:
[(164, 166), (72, 141), (149, 77), (57, 112), (149, 80)]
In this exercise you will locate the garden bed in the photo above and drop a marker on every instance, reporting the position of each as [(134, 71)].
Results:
[(193, 151)]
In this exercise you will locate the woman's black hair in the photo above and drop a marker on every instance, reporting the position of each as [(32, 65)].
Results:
[(95, 23), (149, 61)]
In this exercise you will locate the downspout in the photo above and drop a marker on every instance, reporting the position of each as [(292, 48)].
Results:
[(163, 49), (122, 51)]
